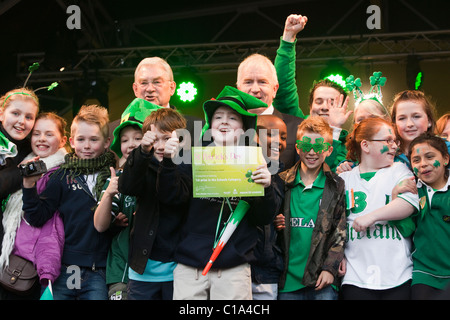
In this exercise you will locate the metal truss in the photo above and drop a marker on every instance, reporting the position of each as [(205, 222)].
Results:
[(225, 57)]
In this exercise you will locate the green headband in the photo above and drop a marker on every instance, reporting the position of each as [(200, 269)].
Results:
[(32, 68), (24, 93), (319, 146)]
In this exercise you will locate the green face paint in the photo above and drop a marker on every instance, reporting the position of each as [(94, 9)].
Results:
[(319, 146), (384, 149), (436, 164), (418, 151), (416, 171)]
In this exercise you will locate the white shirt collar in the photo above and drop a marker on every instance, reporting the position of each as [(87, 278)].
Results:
[(420, 183), (269, 110)]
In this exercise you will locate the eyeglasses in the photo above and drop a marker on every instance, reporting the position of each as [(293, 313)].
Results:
[(388, 141), (157, 83)]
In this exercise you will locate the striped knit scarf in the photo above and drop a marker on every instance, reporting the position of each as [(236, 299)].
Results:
[(77, 167)]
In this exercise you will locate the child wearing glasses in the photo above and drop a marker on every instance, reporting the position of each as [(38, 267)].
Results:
[(313, 233), (378, 263)]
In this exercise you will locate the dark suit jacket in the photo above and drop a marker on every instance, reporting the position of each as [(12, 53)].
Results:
[(289, 156), (191, 122)]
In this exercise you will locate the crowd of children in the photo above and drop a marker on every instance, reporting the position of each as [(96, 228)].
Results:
[(360, 214)]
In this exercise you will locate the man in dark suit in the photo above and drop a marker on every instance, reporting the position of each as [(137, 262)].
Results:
[(257, 77), (154, 82)]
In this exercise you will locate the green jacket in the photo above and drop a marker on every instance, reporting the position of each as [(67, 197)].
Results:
[(339, 153), (329, 234), (287, 100)]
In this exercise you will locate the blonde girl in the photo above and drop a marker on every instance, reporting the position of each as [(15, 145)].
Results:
[(43, 246), (18, 111)]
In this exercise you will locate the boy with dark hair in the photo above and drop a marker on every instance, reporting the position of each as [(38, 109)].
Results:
[(157, 226), (115, 209)]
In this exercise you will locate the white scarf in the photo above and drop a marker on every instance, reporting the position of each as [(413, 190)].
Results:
[(13, 213)]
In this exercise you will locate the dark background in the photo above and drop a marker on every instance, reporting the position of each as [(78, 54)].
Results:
[(206, 40)]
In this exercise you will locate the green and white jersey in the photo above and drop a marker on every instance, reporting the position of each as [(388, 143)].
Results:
[(431, 256), (380, 257)]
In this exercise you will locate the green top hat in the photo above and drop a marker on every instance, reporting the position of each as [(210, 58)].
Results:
[(134, 114), (237, 100)]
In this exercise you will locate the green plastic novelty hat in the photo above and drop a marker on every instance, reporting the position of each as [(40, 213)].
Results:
[(134, 114), (237, 100)]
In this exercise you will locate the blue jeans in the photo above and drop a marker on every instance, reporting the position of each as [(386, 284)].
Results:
[(327, 293), (140, 290), (80, 283)]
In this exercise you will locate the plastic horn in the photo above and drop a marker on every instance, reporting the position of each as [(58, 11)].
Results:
[(236, 217)]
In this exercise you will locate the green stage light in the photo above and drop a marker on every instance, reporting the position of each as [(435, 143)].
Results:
[(418, 82), (335, 71), (414, 74), (187, 91), (337, 78)]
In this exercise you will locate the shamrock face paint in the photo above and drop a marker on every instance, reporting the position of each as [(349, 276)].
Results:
[(379, 148), (318, 146), (436, 164), (384, 149), (427, 166)]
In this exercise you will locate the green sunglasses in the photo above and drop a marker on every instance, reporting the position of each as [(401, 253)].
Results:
[(319, 146)]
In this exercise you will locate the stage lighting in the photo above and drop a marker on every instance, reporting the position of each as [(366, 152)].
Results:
[(418, 82), (414, 75), (336, 72), (187, 91), (337, 78)]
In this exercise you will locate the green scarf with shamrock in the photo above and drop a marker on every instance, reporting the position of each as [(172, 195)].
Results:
[(7, 148)]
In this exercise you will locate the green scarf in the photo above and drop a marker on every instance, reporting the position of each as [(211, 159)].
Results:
[(77, 167), (7, 148)]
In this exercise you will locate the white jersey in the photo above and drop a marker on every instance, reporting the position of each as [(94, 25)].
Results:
[(380, 257)]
